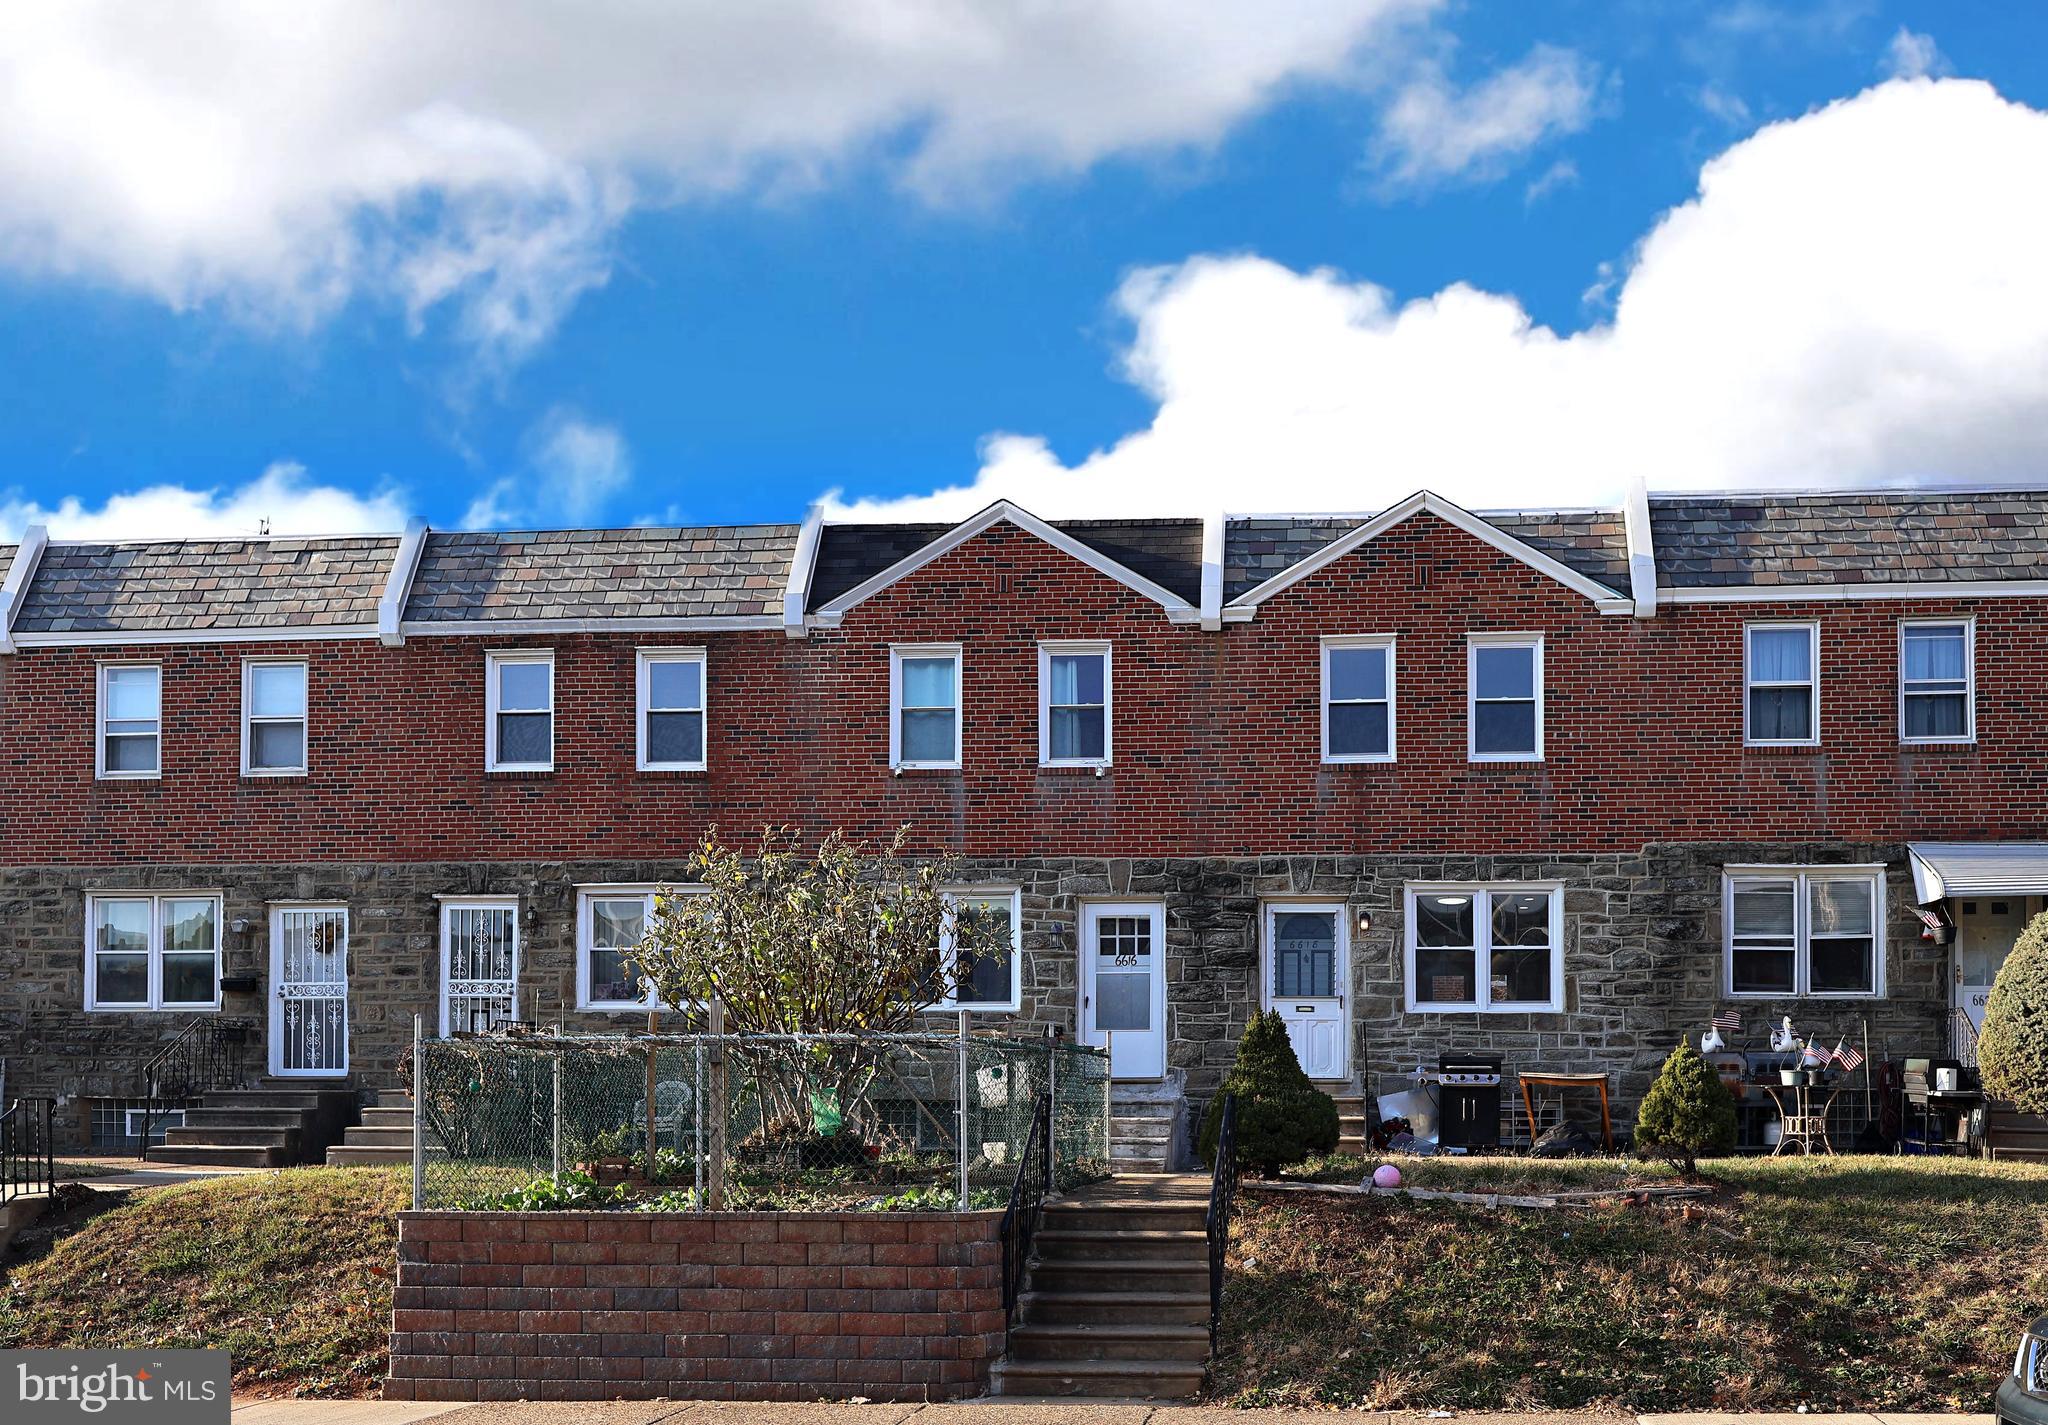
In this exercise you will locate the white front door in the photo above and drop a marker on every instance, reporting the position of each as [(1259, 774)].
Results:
[(1123, 986), (1307, 951), (309, 989), (1986, 927), (479, 965)]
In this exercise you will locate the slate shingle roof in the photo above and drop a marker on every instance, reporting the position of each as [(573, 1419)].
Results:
[(1257, 548), (207, 583), (1166, 551), (1896, 537), (704, 572), (1589, 542)]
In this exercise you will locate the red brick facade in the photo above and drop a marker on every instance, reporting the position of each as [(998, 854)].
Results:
[(725, 1306)]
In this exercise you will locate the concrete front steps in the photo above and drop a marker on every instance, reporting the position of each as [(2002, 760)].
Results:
[(1148, 1126), (384, 1136), (1116, 1297), (274, 1125)]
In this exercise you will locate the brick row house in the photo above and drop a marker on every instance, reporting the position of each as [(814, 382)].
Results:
[(1553, 785)]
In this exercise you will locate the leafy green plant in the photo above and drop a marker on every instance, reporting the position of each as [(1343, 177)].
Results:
[(573, 1192), (1688, 1113), (2012, 1049), (1282, 1118)]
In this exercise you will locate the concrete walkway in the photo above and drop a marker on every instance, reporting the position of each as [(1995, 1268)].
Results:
[(978, 1412)]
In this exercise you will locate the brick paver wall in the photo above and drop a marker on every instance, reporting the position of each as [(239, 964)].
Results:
[(725, 1306)]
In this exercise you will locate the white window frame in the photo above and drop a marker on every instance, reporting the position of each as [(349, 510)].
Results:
[(1473, 643), (586, 924), (154, 952), (1812, 628), (1482, 893), (493, 661), (897, 653), (304, 719), (99, 723), (1068, 647), (1334, 643), (1802, 952), (1968, 624), (643, 706), (1015, 896)]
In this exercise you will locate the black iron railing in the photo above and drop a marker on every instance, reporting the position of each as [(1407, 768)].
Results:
[(1027, 1200), (1962, 1037), (1222, 1197), (209, 1053), (28, 1147)]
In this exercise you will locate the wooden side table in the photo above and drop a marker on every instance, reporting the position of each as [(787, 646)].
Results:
[(1568, 1081)]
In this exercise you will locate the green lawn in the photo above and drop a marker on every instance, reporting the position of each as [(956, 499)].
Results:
[(289, 1272), (1845, 1283)]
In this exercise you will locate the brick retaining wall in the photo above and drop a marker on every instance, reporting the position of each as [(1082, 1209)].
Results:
[(726, 1306)]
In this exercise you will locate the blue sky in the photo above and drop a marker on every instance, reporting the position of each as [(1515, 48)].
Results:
[(697, 320)]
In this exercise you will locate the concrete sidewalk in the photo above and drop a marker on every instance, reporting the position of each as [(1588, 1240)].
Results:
[(979, 1412)]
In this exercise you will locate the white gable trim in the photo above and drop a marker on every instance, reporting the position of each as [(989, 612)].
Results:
[(27, 555), (1178, 610), (1642, 551), (1426, 501), (796, 594), (1213, 529), (405, 562)]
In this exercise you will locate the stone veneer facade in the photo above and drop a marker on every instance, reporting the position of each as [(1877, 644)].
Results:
[(1642, 956)]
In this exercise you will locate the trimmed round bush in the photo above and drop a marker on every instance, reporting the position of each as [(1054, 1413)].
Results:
[(2012, 1048), (1688, 1113), (1282, 1118)]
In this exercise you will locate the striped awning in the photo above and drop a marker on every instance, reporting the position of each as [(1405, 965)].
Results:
[(1963, 868)]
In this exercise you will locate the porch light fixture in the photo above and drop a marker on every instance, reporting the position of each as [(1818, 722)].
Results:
[(1364, 922)]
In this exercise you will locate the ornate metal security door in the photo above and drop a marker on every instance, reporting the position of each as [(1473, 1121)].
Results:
[(309, 976), (479, 966)]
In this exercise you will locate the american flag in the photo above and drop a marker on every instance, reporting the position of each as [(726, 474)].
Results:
[(1848, 1056), (1728, 1020)]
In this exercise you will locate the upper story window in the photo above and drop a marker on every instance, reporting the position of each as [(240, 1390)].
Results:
[(152, 952), (1491, 949), (989, 981), (671, 709), (130, 737), (1358, 698), (1794, 931), (273, 717), (1504, 673), (924, 705), (1073, 704), (1781, 706), (1937, 681), (519, 723)]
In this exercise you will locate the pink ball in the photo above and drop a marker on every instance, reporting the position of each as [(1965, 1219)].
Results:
[(1386, 1175)]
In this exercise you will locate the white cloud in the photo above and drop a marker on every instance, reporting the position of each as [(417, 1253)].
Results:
[(282, 500), (477, 157), (1433, 133), (1856, 295), (1561, 174), (1911, 55), (574, 466)]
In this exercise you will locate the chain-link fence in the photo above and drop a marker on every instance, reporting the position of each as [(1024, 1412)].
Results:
[(815, 1122)]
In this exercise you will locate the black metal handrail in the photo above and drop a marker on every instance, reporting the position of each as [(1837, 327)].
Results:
[(28, 1148), (1027, 1201), (1962, 1037), (208, 1054), (1222, 1198)]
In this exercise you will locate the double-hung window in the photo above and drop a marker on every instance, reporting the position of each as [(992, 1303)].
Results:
[(1358, 698), (1937, 681), (924, 705), (1495, 949), (610, 922), (671, 709), (986, 979), (1781, 700), (1504, 686), (519, 722), (149, 952), (1793, 931), (273, 717), (130, 717), (1073, 704)]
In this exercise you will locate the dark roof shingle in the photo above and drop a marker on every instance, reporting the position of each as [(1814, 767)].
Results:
[(703, 572), (1255, 548), (207, 584), (1895, 537), (1589, 542), (1166, 551)]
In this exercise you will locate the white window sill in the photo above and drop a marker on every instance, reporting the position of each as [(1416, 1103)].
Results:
[(213, 1008), (129, 777), (1361, 760), (673, 767), (267, 774), (527, 767), (1497, 758)]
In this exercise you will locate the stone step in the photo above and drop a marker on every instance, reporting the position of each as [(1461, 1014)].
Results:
[(1118, 1274), (1141, 1130), (275, 1118), (285, 1140), (1126, 1380), (1187, 1308), (388, 1118), (1083, 1244), (1096, 1217), (351, 1155), (378, 1138), (262, 1098), (216, 1155), (1109, 1341)]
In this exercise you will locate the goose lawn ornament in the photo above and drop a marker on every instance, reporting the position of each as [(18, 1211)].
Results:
[(1783, 1040), (1711, 1042)]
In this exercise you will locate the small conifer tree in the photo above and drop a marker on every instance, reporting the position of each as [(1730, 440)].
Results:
[(1688, 1113), (1281, 1117), (2012, 1048)]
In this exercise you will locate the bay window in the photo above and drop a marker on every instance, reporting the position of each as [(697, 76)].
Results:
[(152, 952), (1796, 932), (1495, 949)]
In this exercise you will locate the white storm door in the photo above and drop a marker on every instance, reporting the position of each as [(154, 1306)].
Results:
[(1986, 927), (1123, 986), (1306, 954), (479, 966), (309, 987)]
